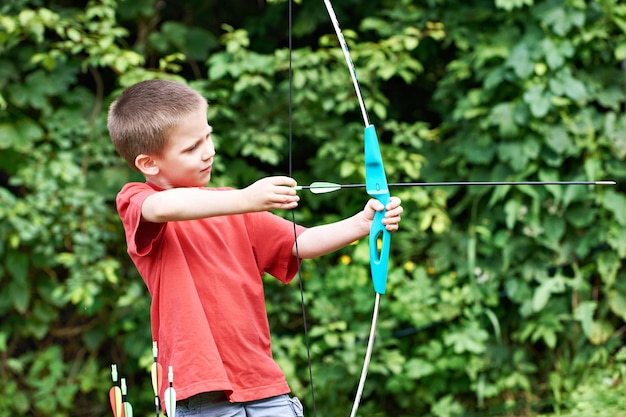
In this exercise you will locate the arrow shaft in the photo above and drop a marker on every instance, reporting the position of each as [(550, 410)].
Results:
[(492, 183), (464, 184)]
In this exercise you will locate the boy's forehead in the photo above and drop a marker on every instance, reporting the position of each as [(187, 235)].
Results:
[(193, 127)]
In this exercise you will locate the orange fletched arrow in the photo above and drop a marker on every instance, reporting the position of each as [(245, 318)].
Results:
[(115, 394), (156, 372)]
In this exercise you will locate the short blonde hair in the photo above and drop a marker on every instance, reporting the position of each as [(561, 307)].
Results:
[(141, 118)]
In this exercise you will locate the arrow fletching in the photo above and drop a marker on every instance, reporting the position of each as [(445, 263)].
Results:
[(115, 394), (170, 395), (115, 397), (320, 187), (156, 371), (128, 410)]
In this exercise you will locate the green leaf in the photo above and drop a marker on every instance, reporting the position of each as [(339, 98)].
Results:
[(559, 140), (542, 295), (617, 302), (584, 313), (19, 294), (521, 62), (553, 56), (608, 267), (564, 84), (512, 209), (468, 339), (601, 331), (561, 19), (617, 239), (17, 265), (538, 99), (518, 154), (554, 229), (502, 116), (579, 216), (616, 204), (417, 368)]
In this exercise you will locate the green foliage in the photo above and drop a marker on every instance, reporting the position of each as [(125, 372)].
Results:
[(500, 299), (601, 393), (60, 252)]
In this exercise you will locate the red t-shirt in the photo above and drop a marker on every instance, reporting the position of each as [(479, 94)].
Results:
[(208, 309)]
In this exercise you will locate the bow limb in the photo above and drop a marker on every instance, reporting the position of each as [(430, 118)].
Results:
[(375, 178), (346, 55)]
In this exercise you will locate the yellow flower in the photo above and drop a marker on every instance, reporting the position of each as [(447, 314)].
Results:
[(345, 260)]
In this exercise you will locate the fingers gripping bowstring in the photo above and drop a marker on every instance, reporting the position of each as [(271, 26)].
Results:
[(293, 215)]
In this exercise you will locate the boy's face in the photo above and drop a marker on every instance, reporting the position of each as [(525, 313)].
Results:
[(188, 157)]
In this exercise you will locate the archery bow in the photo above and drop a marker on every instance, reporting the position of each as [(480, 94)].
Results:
[(376, 186)]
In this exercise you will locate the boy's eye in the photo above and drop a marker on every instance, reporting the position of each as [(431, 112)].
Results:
[(193, 147)]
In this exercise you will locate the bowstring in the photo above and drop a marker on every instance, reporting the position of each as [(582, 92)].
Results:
[(293, 213)]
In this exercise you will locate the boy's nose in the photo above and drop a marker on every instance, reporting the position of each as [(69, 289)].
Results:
[(209, 151)]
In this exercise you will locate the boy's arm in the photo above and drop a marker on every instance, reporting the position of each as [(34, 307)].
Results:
[(175, 204), (320, 240)]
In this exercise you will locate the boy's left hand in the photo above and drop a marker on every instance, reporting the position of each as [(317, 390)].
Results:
[(392, 216)]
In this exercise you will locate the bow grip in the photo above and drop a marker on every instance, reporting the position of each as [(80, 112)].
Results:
[(377, 187), (379, 257)]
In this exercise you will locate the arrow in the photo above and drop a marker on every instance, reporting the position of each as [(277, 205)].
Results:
[(128, 408), (155, 372), (170, 394), (322, 187), (115, 394)]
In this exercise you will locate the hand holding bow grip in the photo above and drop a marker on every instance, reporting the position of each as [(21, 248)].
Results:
[(377, 187)]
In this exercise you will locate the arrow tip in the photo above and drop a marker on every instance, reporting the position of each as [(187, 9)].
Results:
[(605, 183)]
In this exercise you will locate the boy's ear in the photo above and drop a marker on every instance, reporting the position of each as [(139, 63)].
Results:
[(146, 165)]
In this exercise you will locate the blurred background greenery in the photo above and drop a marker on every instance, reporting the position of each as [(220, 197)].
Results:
[(501, 301)]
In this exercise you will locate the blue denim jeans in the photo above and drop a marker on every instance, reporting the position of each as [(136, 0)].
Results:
[(216, 405)]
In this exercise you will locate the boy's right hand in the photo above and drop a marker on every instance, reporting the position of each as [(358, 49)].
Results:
[(272, 193)]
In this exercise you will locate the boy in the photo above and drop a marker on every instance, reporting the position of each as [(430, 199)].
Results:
[(202, 253)]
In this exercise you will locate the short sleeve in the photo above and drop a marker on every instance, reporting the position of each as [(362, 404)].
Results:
[(274, 238), (140, 235)]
